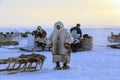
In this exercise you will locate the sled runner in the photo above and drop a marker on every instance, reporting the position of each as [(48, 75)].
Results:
[(84, 44), (24, 62), (115, 46), (39, 49)]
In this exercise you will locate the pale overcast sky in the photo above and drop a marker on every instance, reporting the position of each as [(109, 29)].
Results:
[(70, 12)]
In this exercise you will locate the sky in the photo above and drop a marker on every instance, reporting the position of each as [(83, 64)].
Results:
[(91, 13)]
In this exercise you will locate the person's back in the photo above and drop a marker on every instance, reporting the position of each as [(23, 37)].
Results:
[(77, 28), (76, 32)]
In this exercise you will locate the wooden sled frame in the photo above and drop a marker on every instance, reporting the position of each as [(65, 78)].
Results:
[(24, 62)]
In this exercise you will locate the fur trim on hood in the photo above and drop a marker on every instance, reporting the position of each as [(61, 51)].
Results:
[(39, 28), (60, 24)]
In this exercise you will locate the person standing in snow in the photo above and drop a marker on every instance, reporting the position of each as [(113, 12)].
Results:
[(60, 40), (40, 37), (76, 32)]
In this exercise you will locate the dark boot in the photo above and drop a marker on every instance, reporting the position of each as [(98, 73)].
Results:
[(57, 67), (65, 66)]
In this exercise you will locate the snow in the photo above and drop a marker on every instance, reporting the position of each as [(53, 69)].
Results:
[(101, 63)]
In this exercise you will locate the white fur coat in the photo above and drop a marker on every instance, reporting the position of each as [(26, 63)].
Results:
[(59, 39)]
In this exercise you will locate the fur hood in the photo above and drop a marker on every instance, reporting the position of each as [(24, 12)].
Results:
[(60, 24)]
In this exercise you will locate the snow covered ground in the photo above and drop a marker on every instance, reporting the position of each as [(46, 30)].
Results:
[(101, 63)]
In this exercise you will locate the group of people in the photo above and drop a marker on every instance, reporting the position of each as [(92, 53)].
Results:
[(60, 41)]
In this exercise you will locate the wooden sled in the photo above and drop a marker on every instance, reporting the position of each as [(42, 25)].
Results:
[(113, 37), (85, 44), (38, 49), (32, 46), (24, 62), (115, 46), (8, 43)]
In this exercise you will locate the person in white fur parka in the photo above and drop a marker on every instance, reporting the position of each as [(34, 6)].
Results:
[(60, 40)]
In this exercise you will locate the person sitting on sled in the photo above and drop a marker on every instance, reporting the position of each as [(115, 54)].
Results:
[(84, 44), (76, 33), (40, 37), (60, 40)]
